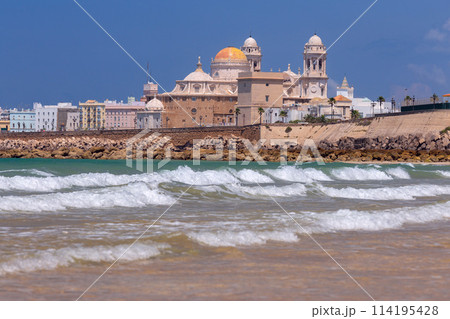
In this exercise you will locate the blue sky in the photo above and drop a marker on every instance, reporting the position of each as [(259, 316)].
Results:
[(50, 51)]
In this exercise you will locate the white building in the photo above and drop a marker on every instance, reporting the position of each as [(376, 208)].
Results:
[(50, 118), (365, 106), (150, 117), (73, 121)]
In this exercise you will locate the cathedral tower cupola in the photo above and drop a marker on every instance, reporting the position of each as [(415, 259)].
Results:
[(253, 53)]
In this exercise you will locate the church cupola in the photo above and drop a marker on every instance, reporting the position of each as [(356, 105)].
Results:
[(253, 53)]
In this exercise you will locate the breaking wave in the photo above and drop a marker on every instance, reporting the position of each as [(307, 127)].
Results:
[(63, 257), (444, 173), (409, 192), (133, 195), (353, 220), (359, 174), (294, 174), (241, 238)]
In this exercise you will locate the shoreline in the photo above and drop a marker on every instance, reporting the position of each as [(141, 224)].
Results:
[(267, 155)]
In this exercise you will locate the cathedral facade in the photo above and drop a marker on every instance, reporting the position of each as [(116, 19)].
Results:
[(210, 99)]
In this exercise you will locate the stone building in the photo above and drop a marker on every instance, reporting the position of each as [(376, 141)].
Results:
[(150, 117), (314, 82), (253, 53), (209, 99), (203, 99), (259, 90)]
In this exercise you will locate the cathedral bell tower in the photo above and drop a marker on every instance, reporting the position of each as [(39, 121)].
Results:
[(253, 53), (315, 80)]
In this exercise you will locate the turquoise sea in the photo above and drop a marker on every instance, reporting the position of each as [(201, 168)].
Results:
[(223, 232)]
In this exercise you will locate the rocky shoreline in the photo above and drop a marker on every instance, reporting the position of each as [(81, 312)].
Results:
[(431, 148)]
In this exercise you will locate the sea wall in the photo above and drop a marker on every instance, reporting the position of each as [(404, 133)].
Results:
[(418, 137), (417, 131)]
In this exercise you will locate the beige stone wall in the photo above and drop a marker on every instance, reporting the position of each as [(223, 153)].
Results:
[(260, 88), (206, 110), (389, 126)]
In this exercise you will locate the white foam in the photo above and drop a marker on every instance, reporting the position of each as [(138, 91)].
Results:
[(241, 238), (359, 174), (251, 176), (409, 192), (133, 195), (31, 171), (47, 184), (186, 175), (398, 172), (63, 257), (444, 173), (353, 220), (295, 174), (296, 189)]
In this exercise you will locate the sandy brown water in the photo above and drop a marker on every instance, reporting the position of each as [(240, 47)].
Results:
[(409, 264), (63, 223)]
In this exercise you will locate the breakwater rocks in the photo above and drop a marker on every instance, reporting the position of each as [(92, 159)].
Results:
[(430, 148), (418, 142)]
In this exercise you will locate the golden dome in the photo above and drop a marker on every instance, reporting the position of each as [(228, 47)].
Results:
[(230, 53)]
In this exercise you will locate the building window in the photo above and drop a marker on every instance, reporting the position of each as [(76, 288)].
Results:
[(267, 84), (267, 98), (194, 98)]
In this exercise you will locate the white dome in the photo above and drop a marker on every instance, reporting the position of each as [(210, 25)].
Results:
[(154, 104), (315, 40), (250, 42), (198, 76)]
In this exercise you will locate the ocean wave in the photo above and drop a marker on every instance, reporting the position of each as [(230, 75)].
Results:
[(31, 171), (251, 176), (354, 220), (409, 192), (296, 189), (133, 195), (444, 173), (359, 174), (295, 174), (241, 238), (398, 172), (63, 257)]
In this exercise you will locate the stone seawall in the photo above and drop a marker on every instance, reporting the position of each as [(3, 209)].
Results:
[(414, 132), (419, 137)]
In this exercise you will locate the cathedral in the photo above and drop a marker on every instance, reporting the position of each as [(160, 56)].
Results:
[(210, 99)]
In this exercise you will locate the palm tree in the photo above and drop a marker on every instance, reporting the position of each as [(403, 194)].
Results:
[(381, 100), (237, 112), (261, 112), (407, 99), (332, 102), (283, 114), (434, 98)]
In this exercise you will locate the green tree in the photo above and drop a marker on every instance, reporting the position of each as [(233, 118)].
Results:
[(237, 112), (381, 100), (261, 112), (283, 114), (356, 114), (332, 102), (407, 99), (434, 98)]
